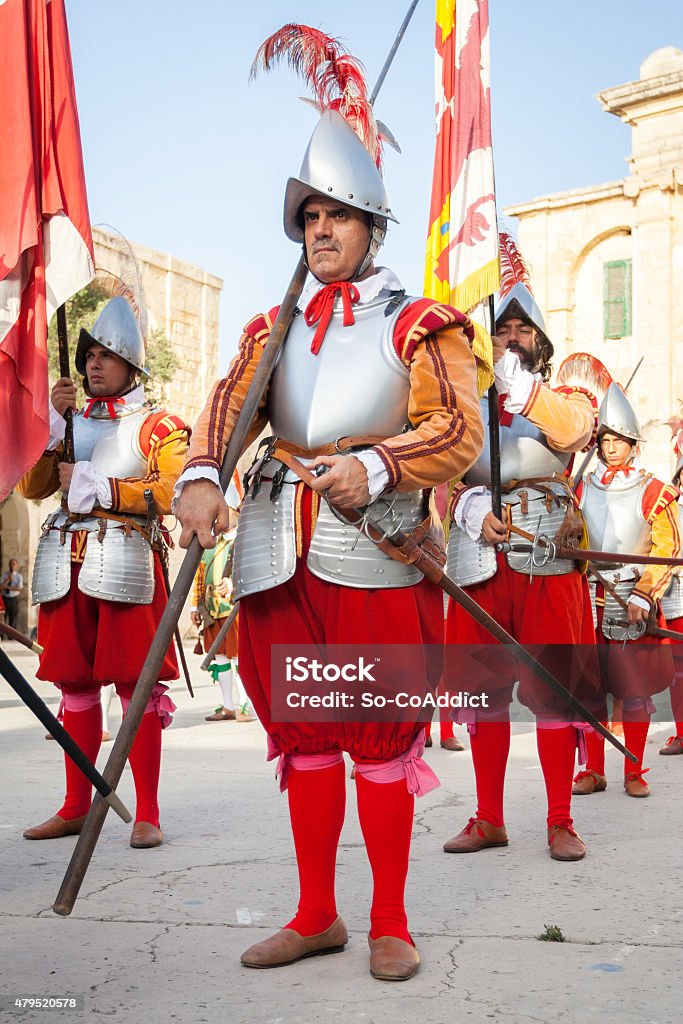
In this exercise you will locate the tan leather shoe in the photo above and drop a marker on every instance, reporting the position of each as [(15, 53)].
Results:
[(635, 784), (565, 843), (589, 782), (221, 715), (287, 946), (477, 835), (674, 745), (243, 716), (452, 743), (392, 959), (145, 836), (55, 827)]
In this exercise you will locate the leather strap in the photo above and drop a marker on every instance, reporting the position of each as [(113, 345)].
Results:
[(338, 447)]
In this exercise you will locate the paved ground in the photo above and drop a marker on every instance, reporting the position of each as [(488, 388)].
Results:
[(156, 934)]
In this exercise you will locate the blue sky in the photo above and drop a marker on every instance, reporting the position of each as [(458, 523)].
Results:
[(185, 155)]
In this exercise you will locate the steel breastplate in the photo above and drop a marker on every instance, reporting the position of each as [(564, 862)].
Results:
[(112, 445), (524, 453), (355, 385), (614, 518)]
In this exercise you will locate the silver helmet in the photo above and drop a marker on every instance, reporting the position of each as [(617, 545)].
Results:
[(117, 329), (338, 166), (520, 303), (616, 415)]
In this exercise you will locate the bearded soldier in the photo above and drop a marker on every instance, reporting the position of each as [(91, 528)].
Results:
[(98, 573), (379, 389), (627, 510), (539, 604)]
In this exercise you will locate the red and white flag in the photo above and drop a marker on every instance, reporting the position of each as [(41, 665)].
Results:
[(46, 252), (461, 265)]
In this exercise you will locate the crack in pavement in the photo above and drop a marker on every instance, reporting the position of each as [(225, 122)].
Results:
[(618, 942)]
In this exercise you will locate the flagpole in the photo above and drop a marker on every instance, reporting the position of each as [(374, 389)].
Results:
[(87, 840), (494, 434), (65, 371), (392, 52)]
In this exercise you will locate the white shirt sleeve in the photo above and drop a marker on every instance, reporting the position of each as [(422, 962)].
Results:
[(57, 428), (194, 473), (471, 511), (88, 487), (378, 478)]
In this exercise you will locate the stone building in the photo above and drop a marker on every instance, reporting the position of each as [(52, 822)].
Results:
[(183, 302), (607, 260)]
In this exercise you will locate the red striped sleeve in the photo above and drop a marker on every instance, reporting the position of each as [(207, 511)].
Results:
[(423, 317)]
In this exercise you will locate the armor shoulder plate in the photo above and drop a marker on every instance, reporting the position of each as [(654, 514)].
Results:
[(657, 497), (156, 427), (260, 326), (422, 317)]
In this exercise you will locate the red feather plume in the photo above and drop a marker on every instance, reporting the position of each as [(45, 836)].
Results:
[(335, 76), (513, 267)]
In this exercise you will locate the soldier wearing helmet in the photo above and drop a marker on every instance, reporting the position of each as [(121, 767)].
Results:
[(627, 510), (540, 602), (379, 388), (98, 573)]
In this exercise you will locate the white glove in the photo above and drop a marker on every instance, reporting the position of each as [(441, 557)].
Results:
[(513, 381)]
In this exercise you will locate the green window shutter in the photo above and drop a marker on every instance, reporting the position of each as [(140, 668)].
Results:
[(617, 299)]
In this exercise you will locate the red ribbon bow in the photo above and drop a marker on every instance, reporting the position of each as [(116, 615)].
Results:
[(319, 310), (611, 472), (109, 400)]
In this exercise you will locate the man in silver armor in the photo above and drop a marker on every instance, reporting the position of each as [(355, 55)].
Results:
[(98, 575), (672, 610), (543, 604), (380, 389), (627, 510)]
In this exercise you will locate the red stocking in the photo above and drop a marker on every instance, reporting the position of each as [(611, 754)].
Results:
[(85, 727), (317, 801), (557, 753), (595, 746), (445, 725), (386, 819), (490, 748), (635, 737), (145, 763)]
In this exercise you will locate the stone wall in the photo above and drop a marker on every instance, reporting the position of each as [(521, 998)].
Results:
[(568, 237)]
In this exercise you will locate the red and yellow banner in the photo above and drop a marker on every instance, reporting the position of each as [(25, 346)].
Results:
[(461, 266)]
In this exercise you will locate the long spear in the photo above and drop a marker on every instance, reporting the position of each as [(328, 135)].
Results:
[(82, 855)]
